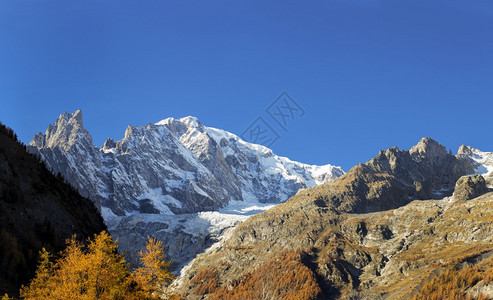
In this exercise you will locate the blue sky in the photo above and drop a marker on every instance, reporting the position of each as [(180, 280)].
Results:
[(368, 74)]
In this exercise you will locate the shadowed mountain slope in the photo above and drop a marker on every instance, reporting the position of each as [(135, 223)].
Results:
[(37, 209)]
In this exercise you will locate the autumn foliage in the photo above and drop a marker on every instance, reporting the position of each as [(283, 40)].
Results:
[(206, 281), (153, 275), (455, 283), (97, 271), (283, 277)]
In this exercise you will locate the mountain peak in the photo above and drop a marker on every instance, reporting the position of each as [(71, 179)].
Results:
[(67, 130), (463, 149), (77, 117), (70, 118), (189, 121), (428, 147)]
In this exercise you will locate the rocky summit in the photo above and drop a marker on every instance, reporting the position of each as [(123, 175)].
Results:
[(382, 230), (176, 180)]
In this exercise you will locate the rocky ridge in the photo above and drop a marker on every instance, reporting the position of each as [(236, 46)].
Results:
[(379, 231)]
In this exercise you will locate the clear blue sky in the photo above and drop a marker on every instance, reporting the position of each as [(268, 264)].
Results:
[(369, 74)]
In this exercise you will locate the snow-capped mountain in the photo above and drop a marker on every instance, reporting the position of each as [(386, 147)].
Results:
[(176, 180), (484, 160)]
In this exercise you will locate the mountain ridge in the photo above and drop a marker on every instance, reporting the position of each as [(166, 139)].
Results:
[(69, 134), (162, 178), (331, 224)]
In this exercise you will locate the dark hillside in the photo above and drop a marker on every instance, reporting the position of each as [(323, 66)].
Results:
[(37, 209)]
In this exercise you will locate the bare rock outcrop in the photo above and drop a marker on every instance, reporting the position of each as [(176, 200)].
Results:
[(469, 187)]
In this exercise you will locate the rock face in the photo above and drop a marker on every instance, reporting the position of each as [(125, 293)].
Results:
[(37, 209), (67, 135), (161, 173), (174, 166), (470, 187), (396, 177), (366, 234)]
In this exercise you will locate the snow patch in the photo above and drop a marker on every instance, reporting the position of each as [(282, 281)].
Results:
[(199, 190), (160, 200), (485, 159)]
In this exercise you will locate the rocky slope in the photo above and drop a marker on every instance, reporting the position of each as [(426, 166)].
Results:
[(37, 209), (160, 179), (378, 231)]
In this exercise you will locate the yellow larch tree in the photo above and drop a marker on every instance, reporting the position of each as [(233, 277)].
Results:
[(39, 287), (154, 275), (99, 272)]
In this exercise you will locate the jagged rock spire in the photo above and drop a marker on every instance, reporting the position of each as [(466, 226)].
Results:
[(67, 131)]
